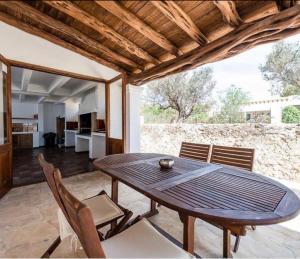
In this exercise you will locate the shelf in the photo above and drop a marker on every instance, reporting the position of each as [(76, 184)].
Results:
[(25, 119)]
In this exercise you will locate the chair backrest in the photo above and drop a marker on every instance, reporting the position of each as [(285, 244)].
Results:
[(195, 151), (80, 219), (233, 156), (48, 170)]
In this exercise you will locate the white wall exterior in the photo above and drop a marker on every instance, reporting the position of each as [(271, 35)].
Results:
[(21, 46), (116, 110), (133, 140), (274, 105)]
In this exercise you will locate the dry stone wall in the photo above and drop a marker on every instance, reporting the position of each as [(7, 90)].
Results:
[(277, 147)]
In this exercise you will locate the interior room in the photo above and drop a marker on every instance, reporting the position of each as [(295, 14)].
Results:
[(60, 116)]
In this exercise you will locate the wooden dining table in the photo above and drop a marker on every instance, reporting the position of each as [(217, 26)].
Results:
[(222, 195)]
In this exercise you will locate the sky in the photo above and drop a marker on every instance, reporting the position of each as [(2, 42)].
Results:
[(243, 71)]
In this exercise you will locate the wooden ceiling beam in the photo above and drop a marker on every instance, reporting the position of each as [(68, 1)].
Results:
[(13, 21), (272, 28), (38, 17), (229, 12), (175, 14), (284, 4), (139, 25), (82, 16)]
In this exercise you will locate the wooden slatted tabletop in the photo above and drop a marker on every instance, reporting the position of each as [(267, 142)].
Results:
[(224, 195)]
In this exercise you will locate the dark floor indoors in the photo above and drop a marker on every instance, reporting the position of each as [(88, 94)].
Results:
[(26, 169)]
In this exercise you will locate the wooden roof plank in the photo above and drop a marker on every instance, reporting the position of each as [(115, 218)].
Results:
[(272, 28), (132, 20), (39, 17), (82, 16), (174, 13), (229, 12), (56, 40)]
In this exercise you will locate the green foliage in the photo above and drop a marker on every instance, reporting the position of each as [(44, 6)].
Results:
[(291, 114), (282, 69), (182, 92), (232, 102), (200, 114), (154, 114)]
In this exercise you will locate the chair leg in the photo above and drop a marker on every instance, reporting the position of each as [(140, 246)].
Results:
[(236, 244), (52, 247), (121, 226), (253, 227)]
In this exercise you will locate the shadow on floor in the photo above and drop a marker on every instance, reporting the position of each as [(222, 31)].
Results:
[(26, 169)]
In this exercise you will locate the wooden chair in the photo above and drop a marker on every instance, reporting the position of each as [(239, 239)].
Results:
[(234, 156), (104, 209), (195, 151), (139, 240)]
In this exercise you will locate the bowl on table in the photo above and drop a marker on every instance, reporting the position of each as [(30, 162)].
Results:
[(166, 163)]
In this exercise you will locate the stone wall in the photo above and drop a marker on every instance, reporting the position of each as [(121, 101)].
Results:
[(277, 147)]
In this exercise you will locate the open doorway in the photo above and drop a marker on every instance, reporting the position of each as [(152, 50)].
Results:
[(46, 109)]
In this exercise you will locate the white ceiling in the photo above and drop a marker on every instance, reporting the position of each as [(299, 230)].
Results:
[(37, 87)]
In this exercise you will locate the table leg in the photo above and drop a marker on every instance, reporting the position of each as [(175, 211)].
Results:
[(114, 196), (226, 243), (153, 207), (188, 232)]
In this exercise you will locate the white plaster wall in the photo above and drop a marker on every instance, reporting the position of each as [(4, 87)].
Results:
[(21, 46), (51, 111), (71, 110), (41, 123), (23, 110), (100, 92), (133, 94), (94, 101), (116, 110)]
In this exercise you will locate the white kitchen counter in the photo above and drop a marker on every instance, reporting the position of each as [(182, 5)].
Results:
[(94, 143), (70, 138), (72, 131), (98, 134)]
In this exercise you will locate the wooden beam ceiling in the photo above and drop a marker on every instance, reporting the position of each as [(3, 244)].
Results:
[(175, 14), (54, 39), (20, 8), (136, 23), (267, 30), (229, 12), (284, 4), (82, 16), (67, 24)]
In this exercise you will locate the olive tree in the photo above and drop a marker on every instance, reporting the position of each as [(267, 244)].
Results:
[(182, 92), (282, 69)]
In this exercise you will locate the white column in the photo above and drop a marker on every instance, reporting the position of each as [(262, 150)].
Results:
[(133, 96)]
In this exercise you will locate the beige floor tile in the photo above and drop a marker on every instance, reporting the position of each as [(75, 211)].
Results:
[(28, 223)]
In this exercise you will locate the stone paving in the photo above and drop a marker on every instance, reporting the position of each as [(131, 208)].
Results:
[(28, 222)]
